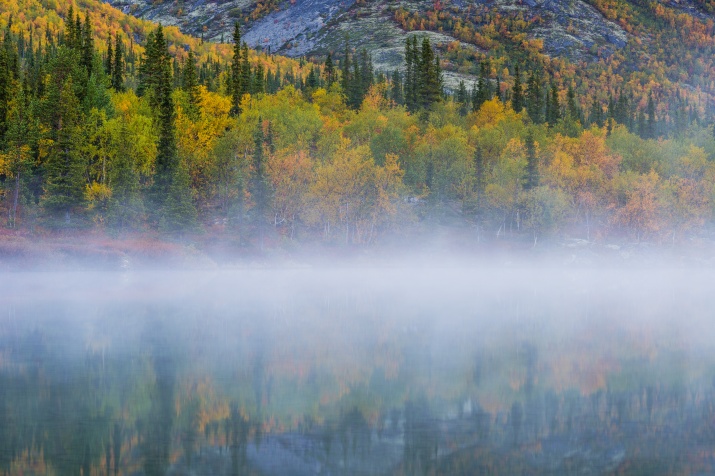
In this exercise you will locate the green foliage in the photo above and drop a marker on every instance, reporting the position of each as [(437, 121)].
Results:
[(64, 187), (126, 207), (178, 214)]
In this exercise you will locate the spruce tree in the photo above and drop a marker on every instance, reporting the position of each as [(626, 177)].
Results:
[(189, 82), (411, 74), (517, 92), (117, 76), (482, 91), (345, 71), (18, 157), (70, 39), (462, 98), (5, 91), (125, 206), (65, 167), (651, 120), (109, 60), (87, 45), (596, 115), (166, 158), (179, 213), (235, 86), (396, 93), (259, 183), (572, 108), (554, 109), (429, 86), (259, 80), (329, 71), (245, 85), (367, 75), (532, 163), (154, 78), (642, 128), (311, 81), (534, 98)]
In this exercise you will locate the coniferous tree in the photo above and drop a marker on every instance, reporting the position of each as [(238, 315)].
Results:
[(189, 82), (572, 108), (125, 206), (179, 213), (235, 84), (259, 182), (259, 79), (497, 92), (6, 79), (77, 32), (611, 107), (534, 98), (554, 109), (166, 159), (160, 84), (345, 71), (650, 112), (329, 71), (117, 76), (482, 92), (70, 39), (642, 127), (64, 186), (396, 93), (312, 79), (411, 74), (596, 116), (18, 157), (428, 76), (245, 71), (462, 98), (517, 93), (109, 60), (154, 78), (87, 45), (532, 165), (367, 74)]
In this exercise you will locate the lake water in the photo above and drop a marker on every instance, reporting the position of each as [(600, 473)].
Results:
[(397, 370)]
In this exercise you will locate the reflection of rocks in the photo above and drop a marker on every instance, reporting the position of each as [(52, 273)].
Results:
[(296, 454)]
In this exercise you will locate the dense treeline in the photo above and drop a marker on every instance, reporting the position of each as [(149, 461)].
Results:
[(666, 58), (333, 151)]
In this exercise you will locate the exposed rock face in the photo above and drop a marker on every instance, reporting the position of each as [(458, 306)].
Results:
[(572, 27), (305, 27)]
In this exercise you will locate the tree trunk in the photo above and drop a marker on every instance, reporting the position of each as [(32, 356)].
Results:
[(15, 200)]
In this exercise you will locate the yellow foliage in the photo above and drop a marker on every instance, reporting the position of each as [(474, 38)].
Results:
[(351, 196), (97, 194), (490, 114)]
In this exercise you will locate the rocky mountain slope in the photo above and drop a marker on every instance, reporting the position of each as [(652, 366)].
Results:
[(307, 27)]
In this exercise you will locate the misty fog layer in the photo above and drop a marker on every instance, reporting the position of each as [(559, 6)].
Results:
[(487, 359)]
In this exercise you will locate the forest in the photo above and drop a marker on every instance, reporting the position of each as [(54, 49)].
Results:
[(104, 133)]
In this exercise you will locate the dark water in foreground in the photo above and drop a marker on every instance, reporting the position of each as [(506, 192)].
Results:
[(358, 371)]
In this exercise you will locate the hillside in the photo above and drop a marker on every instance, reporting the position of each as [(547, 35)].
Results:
[(642, 47), (216, 145)]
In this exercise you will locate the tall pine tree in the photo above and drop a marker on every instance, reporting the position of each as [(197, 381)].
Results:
[(517, 92), (117, 76), (236, 87)]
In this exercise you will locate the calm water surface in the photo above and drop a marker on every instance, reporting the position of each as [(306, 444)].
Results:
[(358, 371)]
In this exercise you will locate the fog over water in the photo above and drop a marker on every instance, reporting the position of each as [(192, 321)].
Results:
[(362, 370)]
